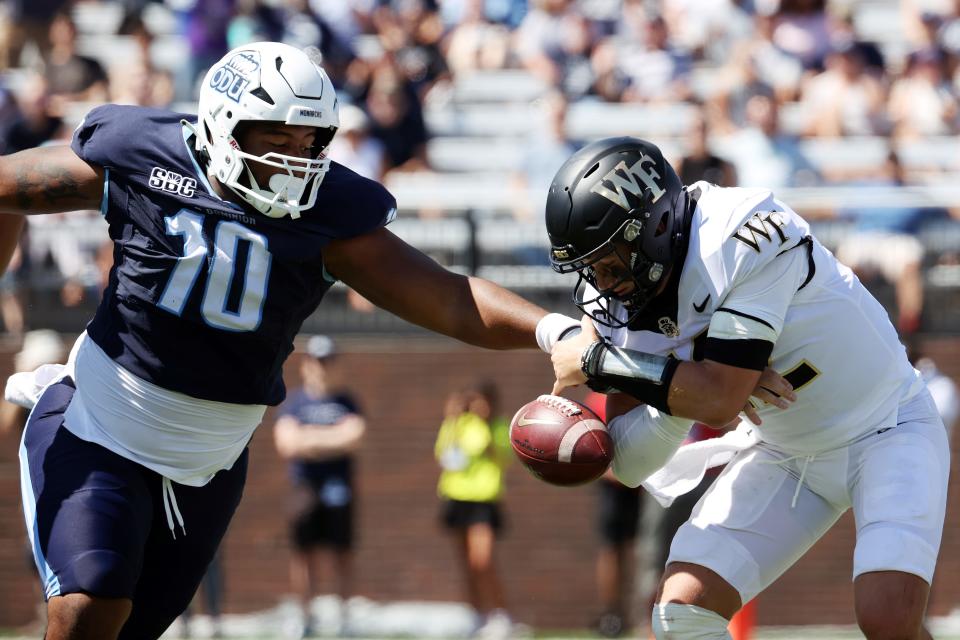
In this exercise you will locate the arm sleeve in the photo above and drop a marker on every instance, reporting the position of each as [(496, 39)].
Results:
[(644, 439), (745, 327)]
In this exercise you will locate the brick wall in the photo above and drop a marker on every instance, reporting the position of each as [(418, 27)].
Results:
[(546, 556)]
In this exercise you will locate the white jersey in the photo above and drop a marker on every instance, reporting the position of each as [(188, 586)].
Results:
[(754, 273)]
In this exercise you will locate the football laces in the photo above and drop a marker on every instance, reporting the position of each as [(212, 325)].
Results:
[(564, 406)]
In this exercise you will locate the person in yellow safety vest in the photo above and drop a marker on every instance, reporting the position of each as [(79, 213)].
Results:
[(473, 448)]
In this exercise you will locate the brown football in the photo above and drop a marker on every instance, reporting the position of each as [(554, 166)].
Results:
[(561, 441)]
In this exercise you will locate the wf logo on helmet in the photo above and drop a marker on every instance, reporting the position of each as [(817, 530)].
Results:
[(630, 181), (233, 77)]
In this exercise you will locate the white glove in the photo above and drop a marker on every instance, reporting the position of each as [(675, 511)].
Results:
[(553, 328)]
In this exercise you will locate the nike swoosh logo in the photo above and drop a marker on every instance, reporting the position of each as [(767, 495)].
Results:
[(524, 421), (703, 305)]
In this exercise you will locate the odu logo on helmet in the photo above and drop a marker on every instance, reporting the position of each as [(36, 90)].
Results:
[(234, 76)]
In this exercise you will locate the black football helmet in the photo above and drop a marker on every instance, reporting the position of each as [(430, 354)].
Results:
[(616, 196)]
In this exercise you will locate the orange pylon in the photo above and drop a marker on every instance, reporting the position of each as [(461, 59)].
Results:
[(741, 627)]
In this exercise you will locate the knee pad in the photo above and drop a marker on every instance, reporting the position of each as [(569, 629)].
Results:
[(687, 622)]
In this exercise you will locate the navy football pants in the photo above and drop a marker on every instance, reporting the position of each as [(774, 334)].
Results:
[(98, 526)]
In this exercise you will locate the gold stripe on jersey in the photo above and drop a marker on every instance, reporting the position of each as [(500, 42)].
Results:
[(801, 374), (727, 326)]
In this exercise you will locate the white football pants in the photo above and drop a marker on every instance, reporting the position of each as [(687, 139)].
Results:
[(767, 508)]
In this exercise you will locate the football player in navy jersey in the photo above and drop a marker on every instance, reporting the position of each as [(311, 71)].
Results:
[(228, 230)]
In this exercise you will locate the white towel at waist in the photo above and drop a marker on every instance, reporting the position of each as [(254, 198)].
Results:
[(684, 471)]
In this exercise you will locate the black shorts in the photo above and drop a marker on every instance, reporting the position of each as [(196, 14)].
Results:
[(459, 514), (323, 526), (620, 509)]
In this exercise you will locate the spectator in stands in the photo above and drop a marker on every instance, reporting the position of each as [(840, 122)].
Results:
[(354, 147), (36, 121), (475, 43), (921, 22), (765, 156), (301, 27), (70, 76), (884, 242), (802, 29), (347, 18), (755, 66), (26, 25), (411, 32), (658, 70), (544, 150), (473, 448), (843, 27), (204, 24), (553, 42), (609, 80), (699, 163), (319, 428), (138, 80), (252, 21), (923, 101), (948, 39), (844, 100), (709, 30), (397, 118)]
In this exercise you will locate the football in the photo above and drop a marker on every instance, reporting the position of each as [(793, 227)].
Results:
[(561, 441)]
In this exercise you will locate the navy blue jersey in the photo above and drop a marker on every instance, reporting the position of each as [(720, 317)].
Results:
[(325, 410), (205, 296)]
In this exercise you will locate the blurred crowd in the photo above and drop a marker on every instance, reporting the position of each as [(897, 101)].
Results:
[(762, 76)]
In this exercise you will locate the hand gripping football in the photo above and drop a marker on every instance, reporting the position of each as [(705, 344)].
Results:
[(561, 441)]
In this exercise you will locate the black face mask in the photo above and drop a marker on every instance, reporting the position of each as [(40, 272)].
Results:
[(637, 270)]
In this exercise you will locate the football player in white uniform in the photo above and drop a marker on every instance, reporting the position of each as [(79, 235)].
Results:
[(693, 291)]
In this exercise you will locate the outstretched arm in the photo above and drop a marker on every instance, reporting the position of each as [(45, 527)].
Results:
[(398, 278), (48, 180), (43, 180)]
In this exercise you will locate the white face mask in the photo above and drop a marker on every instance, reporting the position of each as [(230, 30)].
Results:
[(291, 191)]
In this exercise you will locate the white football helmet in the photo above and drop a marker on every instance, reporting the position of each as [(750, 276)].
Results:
[(267, 81)]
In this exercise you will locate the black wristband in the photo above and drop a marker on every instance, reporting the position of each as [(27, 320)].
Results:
[(644, 376), (590, 359)]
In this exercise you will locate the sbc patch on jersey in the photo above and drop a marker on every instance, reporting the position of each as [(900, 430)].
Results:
[(172, 182)]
